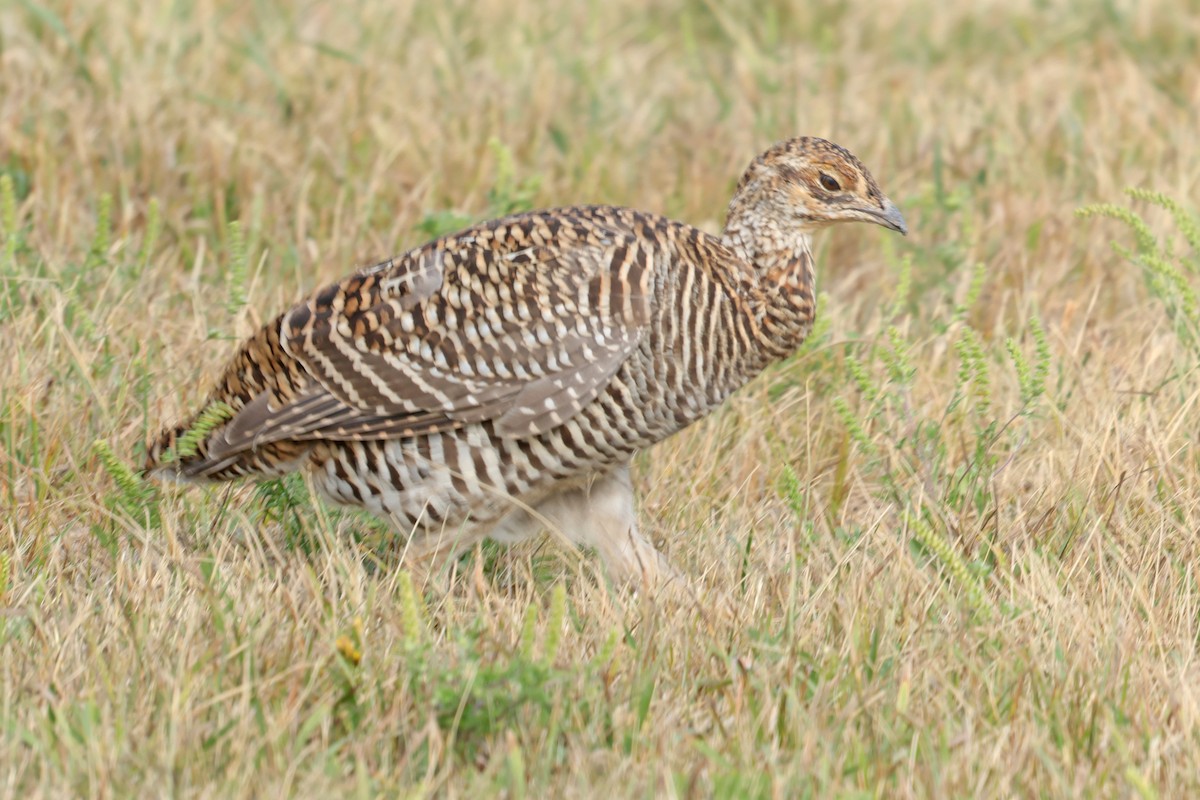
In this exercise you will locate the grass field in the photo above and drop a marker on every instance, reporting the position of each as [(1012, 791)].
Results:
[(948, 550)]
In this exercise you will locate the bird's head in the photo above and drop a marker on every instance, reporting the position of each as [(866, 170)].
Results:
[(801, 185)]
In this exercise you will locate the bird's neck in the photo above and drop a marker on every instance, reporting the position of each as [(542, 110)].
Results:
[(784, 303)]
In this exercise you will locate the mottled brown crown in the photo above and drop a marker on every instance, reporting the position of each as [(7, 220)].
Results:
[(786, 161)]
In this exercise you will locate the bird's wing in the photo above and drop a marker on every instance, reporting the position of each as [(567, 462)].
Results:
[(522, 322)]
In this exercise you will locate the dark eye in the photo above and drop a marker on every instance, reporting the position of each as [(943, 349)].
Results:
[(829, 183)]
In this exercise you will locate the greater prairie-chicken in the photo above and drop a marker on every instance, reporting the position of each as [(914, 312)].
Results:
[(498, 380)]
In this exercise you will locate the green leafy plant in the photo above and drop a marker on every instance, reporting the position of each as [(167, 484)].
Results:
[(935, 465), (1167, 272), (188, 443), (134, 497), (479, 689)]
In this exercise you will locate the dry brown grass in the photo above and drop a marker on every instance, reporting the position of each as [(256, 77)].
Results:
[(901, 614)]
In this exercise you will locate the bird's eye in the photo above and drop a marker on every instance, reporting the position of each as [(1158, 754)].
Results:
[(829, 183)]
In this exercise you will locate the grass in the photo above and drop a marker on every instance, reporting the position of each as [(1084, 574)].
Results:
[(949, 549)]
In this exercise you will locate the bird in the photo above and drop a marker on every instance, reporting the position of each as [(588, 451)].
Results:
[(497, 381)]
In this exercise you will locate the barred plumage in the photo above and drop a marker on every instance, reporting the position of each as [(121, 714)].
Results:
[(499, 379)]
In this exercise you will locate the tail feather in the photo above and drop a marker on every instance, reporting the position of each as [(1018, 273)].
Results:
[(197, 450), (164, 461)]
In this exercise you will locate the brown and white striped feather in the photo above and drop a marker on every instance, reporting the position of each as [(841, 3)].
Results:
[(521, 321)]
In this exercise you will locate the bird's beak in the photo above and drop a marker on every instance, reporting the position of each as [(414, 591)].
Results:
[(889, 217)]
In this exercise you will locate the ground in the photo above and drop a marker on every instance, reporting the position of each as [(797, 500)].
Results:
[(948, 550)]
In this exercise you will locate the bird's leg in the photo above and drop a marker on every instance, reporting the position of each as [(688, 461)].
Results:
[(601, 514), (429, 551), (598, 514), (427, 554)]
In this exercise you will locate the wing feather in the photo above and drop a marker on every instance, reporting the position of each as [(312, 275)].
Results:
[(522, 321)]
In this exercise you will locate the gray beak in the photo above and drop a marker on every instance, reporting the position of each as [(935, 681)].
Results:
[(890, 217)]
